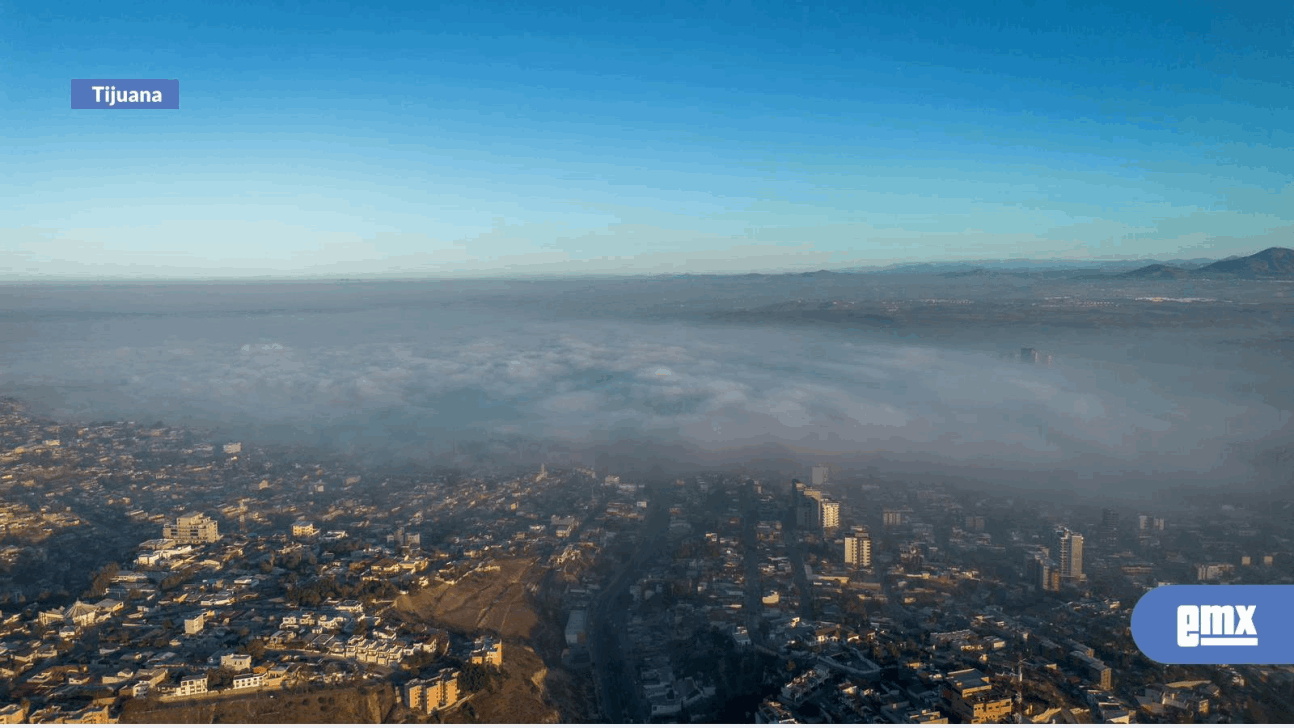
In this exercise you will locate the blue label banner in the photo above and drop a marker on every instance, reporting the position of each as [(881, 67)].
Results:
[(1213, 625), (125, 93)]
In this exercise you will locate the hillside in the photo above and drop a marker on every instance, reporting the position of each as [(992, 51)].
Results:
[(535, 688), (519, 694), (1157, 272), (351, 704), (1270, 263), (495, 600)]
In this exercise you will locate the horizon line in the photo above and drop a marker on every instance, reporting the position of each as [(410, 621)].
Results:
[(1073, 263)]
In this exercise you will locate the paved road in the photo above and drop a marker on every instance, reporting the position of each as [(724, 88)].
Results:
[(797, 566), (615, 682), (750, 559)]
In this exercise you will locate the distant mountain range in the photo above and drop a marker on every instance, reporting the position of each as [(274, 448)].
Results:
[(1027, 267), (1270, 263)]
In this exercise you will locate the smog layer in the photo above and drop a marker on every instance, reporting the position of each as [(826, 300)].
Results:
[(1130, 386)]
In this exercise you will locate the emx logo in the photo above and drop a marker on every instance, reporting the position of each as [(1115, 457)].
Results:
[(1225, 626), (1216, 625)]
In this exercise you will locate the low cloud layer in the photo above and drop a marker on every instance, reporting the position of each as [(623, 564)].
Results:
[(408, 376)]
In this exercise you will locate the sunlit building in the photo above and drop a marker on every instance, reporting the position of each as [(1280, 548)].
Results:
[(858, 549), (830, 511), (193, 528), (438, 691), (969, 696), (1071, 556), (487, 651)]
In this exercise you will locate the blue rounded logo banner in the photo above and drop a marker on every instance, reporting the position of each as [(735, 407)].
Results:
[(1212, 625)]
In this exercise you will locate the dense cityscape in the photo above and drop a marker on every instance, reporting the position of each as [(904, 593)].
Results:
[(678, 362), (153, 573)]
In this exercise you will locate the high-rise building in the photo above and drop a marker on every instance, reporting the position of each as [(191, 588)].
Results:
[(820, 474), (1038, 571), (892, 517), (1109, 518), (830, 514), (858, 549), (1071, 556), (807, 506), (192, 528)]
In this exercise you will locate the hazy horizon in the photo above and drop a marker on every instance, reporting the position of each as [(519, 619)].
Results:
[(1038, 264), (390, 368)]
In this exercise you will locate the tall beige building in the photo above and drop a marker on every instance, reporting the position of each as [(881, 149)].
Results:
[(193, 528), (830, 514), (858, 549), (1071, 556)]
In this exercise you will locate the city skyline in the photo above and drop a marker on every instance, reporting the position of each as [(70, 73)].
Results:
[(954, 611)]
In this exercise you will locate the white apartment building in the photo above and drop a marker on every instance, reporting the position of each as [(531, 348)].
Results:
[(830, 514), (192, 686)]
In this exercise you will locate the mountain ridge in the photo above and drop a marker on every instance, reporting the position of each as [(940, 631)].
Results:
[(1273, 262)]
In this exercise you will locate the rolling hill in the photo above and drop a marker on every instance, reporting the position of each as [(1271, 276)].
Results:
[(1269, 263)]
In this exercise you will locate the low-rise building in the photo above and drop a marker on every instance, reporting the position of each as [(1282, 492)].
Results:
[(434, 692), (772, 712), (192, 528), (13, 713), (969, 696), (192, 685), (487, 651), (236, 662)]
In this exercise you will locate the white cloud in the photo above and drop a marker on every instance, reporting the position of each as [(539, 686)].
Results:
[(397, 373)]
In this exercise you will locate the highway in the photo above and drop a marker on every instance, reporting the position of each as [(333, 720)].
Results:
[(750, 559), (797, 565)]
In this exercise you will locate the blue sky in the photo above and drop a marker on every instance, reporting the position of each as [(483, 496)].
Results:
[(493, 138)]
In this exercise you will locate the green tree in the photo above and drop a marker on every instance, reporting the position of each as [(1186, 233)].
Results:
[(474, 678)]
